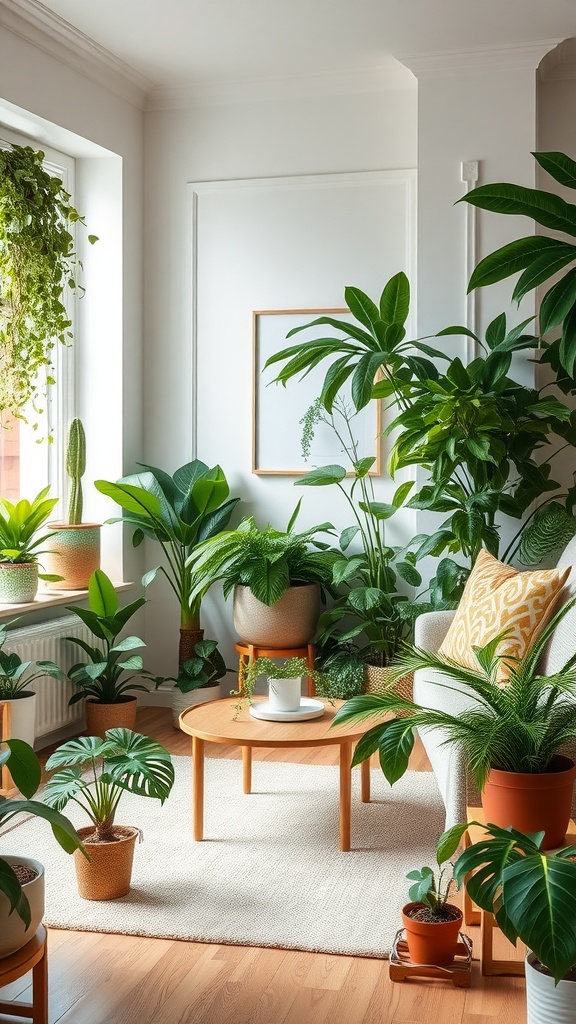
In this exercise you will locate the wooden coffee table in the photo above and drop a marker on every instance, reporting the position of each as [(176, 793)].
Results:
[(214, 722)]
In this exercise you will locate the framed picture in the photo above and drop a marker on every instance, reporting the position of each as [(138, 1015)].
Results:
[(277, 411)]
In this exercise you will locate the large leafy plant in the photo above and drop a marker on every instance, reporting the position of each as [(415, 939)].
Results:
[(17, 676), (123, 762), (103, 677), (38, 262), (518, 727), (26, 773), (532, 895)]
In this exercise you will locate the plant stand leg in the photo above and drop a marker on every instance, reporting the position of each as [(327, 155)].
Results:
[(310, 662), (247, 769), (345, 794), (198, 787)]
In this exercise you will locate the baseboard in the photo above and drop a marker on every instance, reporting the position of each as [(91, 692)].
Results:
[(161, 698)]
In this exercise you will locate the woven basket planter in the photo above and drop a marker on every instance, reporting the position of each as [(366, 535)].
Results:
[(107, 875), (100, 717), (291, 622), (377, 681)]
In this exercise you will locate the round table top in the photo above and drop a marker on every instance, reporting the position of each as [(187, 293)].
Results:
[(214, 721)]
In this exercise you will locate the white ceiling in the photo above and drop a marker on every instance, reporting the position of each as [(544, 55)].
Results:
[(187, 43)]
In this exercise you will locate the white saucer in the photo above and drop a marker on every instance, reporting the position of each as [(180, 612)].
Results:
[(309, 708)]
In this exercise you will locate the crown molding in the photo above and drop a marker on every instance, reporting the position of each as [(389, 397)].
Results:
[(392, 76), (504, 57), (30, 20), (560, 63)]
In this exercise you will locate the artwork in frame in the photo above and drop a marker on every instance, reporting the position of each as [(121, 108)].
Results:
[(277, 411)]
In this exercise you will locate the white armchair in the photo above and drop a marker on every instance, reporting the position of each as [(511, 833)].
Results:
[(433, 690)]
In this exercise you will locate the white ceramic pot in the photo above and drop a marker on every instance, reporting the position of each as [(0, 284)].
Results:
[(13, 933), (182, 701), (284, 694), (546, 1002), (23, 717)]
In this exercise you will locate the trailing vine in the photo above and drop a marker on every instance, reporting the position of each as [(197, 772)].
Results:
[(38, 262)]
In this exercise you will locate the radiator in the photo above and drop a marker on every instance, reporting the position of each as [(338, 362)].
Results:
[(45, 642)]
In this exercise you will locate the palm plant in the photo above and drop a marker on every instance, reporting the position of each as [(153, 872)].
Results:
[(123, 762), (518, 727)]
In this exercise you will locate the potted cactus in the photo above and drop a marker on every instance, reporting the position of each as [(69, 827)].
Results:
[(75, 551)]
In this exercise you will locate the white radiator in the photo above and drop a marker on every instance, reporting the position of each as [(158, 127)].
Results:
[(45, 642)]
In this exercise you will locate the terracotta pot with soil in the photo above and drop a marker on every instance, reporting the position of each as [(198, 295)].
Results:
[(432, 937)]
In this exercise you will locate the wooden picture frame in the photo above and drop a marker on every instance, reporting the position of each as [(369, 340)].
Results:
[(277, 411)]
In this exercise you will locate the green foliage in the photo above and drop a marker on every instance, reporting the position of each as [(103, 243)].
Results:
[(19, 525), (532, 895), (103, 675), (75, 467), (518, 727), (268, 561), (538, 257), (434, 887), (37, 263), (180, 512), (16, 675), (550, 530), (25, 770), (204, 669), (125, 761), (289, 668), (342, 668)]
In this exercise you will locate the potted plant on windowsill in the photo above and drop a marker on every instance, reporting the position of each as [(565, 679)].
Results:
[(19, 544), (22, 878), (198, 680), (16, 678), (533, 898), (75, 553), (101, 680), (277, 579), (122, 761), (512, 734)]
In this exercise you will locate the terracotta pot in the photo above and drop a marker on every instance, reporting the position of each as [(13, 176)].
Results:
[(532, 802), (182, 701), (430, 942), (107, 875), (74, 554), (291, 622), (13, 933), (100, 717), (547, 1003), (18, 582)]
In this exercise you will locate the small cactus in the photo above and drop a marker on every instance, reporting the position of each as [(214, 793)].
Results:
[(75, 467)]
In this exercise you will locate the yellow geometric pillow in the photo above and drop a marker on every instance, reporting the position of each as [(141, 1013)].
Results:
[(497, 597)]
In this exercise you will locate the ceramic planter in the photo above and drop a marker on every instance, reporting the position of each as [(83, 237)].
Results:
[(532, 802), (182, 701), (18, 582), (547, 1003), (291, 622), (108, 873), (74, 554), (284, 694), (13, 933), (23, 717), (429, 942), (100, 717)]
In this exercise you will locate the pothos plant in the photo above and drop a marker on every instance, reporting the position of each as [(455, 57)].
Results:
[(38, 262)]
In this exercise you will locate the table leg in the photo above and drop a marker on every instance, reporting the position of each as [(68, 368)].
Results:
[(365, 781), (345, 794), (40, 989), (247, 769), (198, 787)]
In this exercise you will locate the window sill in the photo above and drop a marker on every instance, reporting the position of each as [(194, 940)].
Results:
[(46, 599)]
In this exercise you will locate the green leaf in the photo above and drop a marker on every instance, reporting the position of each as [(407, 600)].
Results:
[(103, 597), (544, 207), (511, 258), (322, 476), (558, 302), (402, 493), (567, 351), (540, 270), (559, 166), (395, 300), (361, 306), (379, 509), (409, 573), (24, 766)]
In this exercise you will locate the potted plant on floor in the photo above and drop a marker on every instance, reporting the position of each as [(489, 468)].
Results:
[(19, 544), (198, 679), (124, 761), (431, 923), (16, 678), (179, 512), (512, 735), (533, 898), (277, 577), (75, 553), (22, 878), (102, 681)]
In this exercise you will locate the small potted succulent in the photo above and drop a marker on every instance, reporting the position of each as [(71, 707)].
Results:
[(198, 679), (19, 547), (432, 924), (102, 680), (75, 551), (124, 761), (16, 679)]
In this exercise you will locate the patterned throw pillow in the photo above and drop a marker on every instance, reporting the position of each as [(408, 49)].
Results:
[(497, 597)]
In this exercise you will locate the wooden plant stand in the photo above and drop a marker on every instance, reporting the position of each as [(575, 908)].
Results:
[(249, 652), (458, 972), (32, 957)]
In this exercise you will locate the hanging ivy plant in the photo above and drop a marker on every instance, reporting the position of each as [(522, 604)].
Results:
[(38, 262)]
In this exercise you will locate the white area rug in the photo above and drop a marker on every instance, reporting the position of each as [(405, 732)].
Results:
[(269, 872)]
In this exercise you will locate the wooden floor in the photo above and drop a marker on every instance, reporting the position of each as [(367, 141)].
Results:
[(121, 979)]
